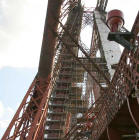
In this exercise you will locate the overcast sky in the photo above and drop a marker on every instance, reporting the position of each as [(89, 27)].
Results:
[(21, 30)]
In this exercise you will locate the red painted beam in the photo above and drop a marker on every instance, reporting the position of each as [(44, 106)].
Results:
[(135, 28), (49, 40), (33, 108)]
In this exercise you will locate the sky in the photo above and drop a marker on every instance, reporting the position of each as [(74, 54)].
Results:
[(21, 31)]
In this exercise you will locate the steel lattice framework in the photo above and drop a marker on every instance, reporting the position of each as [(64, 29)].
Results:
[(73, 81)]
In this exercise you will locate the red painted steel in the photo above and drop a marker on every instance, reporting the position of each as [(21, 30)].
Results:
[(125, 79), (113, 134), (133, 108), (135, 28), (29, 119), (110, 102), (64, 83), (85, 53), (67, 126), (115, 20), (49, 40), (23, 124)]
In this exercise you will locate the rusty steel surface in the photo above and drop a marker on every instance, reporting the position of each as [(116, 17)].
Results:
[(124, 81), (85, 53), (77, 59), (49, 40), (96, 45), (133, 108), (102, 112), (135, 28), (30, 116), (60, 97), (30, 119), (23, 121), (95, 42)]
